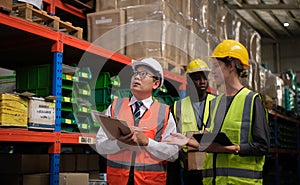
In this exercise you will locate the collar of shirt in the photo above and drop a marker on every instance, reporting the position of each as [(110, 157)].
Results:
[(146, 102)]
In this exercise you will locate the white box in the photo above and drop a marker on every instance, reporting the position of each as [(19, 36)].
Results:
[(41, 113)]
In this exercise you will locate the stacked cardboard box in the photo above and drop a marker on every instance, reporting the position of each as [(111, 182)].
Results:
[(172, 31), (142, 30)]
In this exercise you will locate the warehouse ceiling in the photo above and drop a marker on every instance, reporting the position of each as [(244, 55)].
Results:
[(268, 17)]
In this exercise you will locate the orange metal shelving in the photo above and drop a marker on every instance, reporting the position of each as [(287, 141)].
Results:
[(53, 4), (18, 29)]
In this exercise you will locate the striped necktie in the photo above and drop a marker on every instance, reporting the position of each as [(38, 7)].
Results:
[(137, 111)]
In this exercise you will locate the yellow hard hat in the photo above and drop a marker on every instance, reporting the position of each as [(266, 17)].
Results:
[(231, 48), (197, 65)]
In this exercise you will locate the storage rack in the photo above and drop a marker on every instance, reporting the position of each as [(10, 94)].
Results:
[(25, 43), (23, 40), (288, 150)]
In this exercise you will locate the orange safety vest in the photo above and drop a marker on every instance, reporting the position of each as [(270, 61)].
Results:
[(148, 170)]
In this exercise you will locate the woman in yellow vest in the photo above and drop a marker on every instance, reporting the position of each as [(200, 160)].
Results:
[(240, 114), (191, 114)]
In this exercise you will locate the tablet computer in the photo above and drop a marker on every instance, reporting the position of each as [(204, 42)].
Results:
[(209, 137), (112, 127)]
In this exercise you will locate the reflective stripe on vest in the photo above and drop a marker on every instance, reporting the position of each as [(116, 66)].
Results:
[(177, 107), (160, 125), (143, 167), (234, 172), (117, 107), (247, 118)]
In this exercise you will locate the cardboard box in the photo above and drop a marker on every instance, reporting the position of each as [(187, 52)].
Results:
[(67, 162), (6, 5), (24, 163), (73, 178), (36, 179), (41, 114), (104, 27), (195, 159), (13, 110), (87, 162), (103, 5), (155, 33)]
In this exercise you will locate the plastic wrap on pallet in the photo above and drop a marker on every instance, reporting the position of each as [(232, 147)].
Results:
[(37, 3), (221, 22), (212, 18), (261, 78), (271, 84), (280, 91), (269, 92), (197, 43), (254, 46)]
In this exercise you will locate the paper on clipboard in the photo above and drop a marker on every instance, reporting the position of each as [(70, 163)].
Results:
[(112, 127)]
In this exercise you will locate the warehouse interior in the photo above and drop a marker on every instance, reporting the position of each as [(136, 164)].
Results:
[(278, 24), (72, 57)]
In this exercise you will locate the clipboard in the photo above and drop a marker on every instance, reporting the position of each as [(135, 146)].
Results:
[(113, 127), (209, 137)]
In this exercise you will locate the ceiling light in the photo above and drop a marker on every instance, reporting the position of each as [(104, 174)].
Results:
[(286, 24)]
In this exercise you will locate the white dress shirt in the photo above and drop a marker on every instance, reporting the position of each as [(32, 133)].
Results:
[(161, 150)]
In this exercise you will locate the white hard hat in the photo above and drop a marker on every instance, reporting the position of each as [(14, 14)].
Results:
[(153, 64)]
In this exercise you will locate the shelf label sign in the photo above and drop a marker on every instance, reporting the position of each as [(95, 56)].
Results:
[(87, 140)]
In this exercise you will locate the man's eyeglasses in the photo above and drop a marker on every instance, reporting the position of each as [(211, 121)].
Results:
[(143, 74)]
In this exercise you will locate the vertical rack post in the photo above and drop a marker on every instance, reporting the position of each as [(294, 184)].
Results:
[(56, 91), (57, 87), (182, 90)]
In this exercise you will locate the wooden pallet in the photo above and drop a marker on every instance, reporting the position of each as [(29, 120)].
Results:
[(29, 13)]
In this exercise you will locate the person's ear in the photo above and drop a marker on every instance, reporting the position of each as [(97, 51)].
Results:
[(232, 66), (156, 84)]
